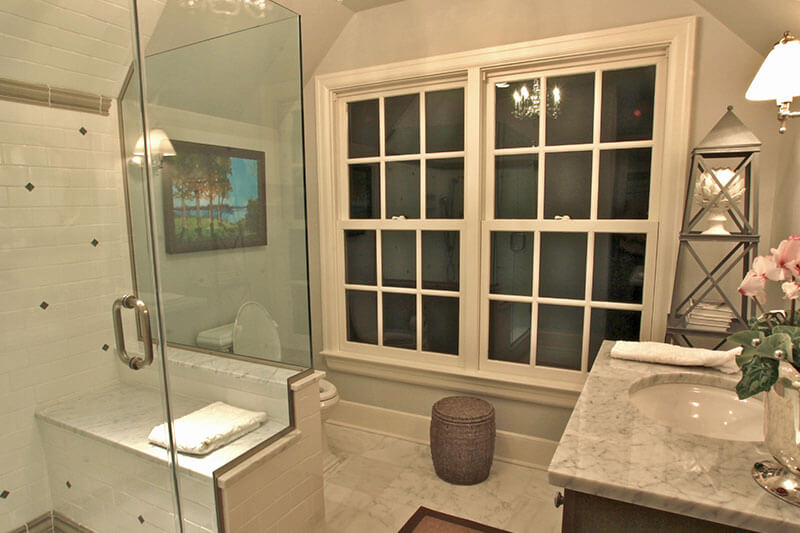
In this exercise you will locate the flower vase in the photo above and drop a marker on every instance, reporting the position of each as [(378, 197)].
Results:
[(717, 218), (782, 437)]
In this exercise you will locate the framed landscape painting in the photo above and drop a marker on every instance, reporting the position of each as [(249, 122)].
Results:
[(214, 198)]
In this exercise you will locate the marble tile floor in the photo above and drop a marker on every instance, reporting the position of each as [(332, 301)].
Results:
[(380, 481)]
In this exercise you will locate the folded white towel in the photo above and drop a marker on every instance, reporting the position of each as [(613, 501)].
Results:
[(670, 354), (208, 428)]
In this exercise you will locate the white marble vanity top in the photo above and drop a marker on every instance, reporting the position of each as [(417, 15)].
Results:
[(123, 415), (228, 366), (610, 449)]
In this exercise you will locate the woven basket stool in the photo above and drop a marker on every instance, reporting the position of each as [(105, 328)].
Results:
[(462, 439)]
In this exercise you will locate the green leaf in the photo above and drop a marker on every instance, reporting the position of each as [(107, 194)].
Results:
[(773, 343), (759, 374), (745, 337), (794, 333), (747, 353)]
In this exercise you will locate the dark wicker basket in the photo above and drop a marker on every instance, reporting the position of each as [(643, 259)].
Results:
[(462, 439)]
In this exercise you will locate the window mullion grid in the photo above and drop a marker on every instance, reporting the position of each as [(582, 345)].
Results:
[(598, 99), (587, 310), (540, 151), (418, 291), (423, 214), (534, 299), (379, 232)]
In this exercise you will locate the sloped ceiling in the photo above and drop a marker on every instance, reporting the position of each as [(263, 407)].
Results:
[(760, 23)]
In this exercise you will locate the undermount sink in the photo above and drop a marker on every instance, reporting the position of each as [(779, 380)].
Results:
[(705, 407)]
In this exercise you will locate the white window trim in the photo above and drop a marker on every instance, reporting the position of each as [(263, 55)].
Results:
[(675, 36)]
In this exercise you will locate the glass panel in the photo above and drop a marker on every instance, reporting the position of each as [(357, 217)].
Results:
[(568, 184), (360, 264), (618, 267), (363, 129), (570, 109), (399, 258), (612, 324), (510, 331), (628, 97), (365, 191), (444, 188), (440, 324), (512, 262), (362, 316), (562, 265), (516, 186), (624, 185), (516, 114), (400, 320), (444, 121), (559, 336), (402, 124), (402, 189), (440, 260)]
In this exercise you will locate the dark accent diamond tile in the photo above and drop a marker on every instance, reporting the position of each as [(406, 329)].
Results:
[(141, 519), (106, 347), (4, 494), (95, 242), (83, 130), (30, 186), (69, 485), (44, 305)]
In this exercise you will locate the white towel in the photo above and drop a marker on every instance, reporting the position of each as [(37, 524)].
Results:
[(670, 354), (208, 428)]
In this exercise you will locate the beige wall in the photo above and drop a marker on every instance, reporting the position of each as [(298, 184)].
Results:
[(416, 29)]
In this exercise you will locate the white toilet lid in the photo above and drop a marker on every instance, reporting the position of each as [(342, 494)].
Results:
[(255, 333)]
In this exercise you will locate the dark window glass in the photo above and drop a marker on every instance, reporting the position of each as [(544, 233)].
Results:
[(402, 124), (444, 188), (568, 184), (618, 267), (440, 324), (628, 97), (402, 189), (624, 185), (400, 320), (511, 262), (360, 260), (559, 336), (440, 260), (362, 316), (612, 324), (444, 121), (363, 127), (562, 265), (516, 186), (365, 191), (510, 331), (516, 114), (399, 259), (570, 109)]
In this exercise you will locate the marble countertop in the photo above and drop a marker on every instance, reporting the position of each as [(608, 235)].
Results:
[(124, 415), (260, 373), (610, 449)]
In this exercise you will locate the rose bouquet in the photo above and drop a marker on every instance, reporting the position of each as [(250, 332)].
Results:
[(773, 336)]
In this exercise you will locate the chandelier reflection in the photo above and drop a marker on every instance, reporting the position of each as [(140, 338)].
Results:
[(255, 8), (527, 102)]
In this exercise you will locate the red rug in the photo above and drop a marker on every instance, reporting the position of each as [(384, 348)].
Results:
[(426, 520)]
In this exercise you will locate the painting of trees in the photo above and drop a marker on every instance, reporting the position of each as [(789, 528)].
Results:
[(214, 197)]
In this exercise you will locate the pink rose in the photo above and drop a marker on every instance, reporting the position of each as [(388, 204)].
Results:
[(787, 257), (754, 285), (791, 290)]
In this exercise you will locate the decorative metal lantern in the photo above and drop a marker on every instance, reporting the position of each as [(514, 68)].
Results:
[(718, 234)]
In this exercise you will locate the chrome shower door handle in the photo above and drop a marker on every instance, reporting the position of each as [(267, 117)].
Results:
[(143, 314)]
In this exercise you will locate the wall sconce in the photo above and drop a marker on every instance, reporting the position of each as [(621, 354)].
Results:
[(779, 78), (160, 146)]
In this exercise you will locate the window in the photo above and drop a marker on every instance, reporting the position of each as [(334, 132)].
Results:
[(496, 215)]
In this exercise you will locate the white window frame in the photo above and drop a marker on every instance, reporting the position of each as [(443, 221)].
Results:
[(673, 39)]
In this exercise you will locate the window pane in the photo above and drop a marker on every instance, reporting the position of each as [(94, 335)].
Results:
[(400, 320), (512, 262), (399, 258), (516, 114), (516, 185), (510, 331), (363, 129), (570, 109), (402, 124), (559, 336), (444, 121), (628, 104), (568, 184), (365, 191), (444, 188), (402, 189), (360, 260), (362, 316), (612, 324), (440, 260), (618, 267), (624, 186), (562, 265), (440, 324)]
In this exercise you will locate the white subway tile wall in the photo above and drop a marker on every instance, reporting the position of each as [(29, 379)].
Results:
[(46, 255)]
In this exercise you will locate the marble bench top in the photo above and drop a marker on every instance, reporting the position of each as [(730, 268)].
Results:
[(610, 449), (123, 415)]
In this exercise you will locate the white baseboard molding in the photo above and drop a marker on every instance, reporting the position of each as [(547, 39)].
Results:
[(510, 447)]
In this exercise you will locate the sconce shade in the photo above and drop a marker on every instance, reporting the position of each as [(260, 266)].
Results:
[(779, 76), (159, 144)]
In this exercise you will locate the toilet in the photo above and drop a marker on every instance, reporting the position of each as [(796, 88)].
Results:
[(328, 398), (254, 333)]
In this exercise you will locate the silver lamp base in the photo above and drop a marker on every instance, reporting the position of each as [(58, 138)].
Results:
[(778, 481)]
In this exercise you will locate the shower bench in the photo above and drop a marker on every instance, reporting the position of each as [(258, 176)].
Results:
[(105, 474)]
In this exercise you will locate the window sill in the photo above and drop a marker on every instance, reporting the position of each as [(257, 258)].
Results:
[(534, 390)]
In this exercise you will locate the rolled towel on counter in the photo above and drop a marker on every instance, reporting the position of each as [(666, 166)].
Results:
[(670, 354), (207, 429)]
